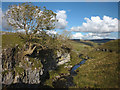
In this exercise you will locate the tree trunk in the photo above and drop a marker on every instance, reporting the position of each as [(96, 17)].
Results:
[(30, 50)]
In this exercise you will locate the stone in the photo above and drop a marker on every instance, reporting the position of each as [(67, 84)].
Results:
[(16, 79), (29, 75), (8, 78), (64, 59), (57, 77)]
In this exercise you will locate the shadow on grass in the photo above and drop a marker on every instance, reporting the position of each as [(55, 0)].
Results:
[(63, 82), (23, 85)]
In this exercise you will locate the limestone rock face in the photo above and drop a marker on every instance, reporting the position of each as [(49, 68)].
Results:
[(29, 71), (63, 58), (13, 71), (8, 78), (32, 76), (0, 70)]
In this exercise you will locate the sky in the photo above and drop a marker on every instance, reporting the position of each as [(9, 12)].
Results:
[(85, 20)]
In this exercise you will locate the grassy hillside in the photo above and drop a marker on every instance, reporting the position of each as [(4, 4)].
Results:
[(102, 70), (85, 42), (100, 40), (112, 45), (77, 49), (11, 39)]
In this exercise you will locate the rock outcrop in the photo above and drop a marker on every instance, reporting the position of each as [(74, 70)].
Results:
[(63, 58), (31, 70), (103, 49), (15, 71)]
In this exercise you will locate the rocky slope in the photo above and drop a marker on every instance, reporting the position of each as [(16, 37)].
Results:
[(31, 69)]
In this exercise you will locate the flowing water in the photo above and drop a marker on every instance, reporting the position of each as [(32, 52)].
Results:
[(72, 72)]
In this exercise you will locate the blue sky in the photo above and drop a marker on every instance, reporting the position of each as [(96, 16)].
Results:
[(77, 12)]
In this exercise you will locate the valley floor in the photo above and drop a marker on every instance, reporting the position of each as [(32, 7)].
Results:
[(101, 70)]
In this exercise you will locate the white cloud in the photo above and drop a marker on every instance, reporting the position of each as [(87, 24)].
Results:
[(61, 16), (93, 36), (95, 24), (0, 16), (21, 30), (51, 32), (77, 36), (5, 25)]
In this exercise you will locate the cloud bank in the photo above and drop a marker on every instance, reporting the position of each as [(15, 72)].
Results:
[(61, 17), (77, 36), (96, 28), (94, 36), (95, 24)]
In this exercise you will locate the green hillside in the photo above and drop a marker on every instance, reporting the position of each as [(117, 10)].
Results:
[(11, 39), (102, 70), (112, 45)]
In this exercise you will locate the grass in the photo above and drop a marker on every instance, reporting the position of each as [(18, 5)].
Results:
[(77, 48), (101, 71), (11, 39), (112, 45), (89, 43)]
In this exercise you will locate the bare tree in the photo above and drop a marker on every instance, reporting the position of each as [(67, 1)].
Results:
[(32, 19)]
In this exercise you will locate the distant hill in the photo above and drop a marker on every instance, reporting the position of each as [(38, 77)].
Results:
[(101, 40), (95, 40), (86, 42), (112, 45)]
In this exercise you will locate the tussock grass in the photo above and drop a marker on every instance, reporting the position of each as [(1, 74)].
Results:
[(100, 72)]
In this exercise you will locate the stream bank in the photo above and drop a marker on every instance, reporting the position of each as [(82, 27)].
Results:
[(65, 80)]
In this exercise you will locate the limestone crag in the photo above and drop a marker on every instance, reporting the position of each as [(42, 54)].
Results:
[(15, 71), (31, 70), (63, 58)]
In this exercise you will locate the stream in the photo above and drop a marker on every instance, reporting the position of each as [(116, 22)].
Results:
[(65, 81), (72, 72)]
